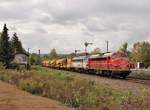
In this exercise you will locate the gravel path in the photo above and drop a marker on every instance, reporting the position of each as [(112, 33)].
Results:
[(12, 98)]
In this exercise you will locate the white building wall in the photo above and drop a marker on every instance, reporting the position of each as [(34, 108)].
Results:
[(21, 59)]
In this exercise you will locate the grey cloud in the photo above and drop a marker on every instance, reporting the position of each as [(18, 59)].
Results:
[(48, 24)]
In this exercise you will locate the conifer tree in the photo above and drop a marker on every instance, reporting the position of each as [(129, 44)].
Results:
[(16, 44), (5, 48)]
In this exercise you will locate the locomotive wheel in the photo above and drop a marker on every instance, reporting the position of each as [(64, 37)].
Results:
[(124, 76)]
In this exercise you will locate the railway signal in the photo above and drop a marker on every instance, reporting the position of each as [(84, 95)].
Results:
[(76, 51), (86, 44)]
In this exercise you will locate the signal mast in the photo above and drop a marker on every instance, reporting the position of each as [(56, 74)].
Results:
[(86, 44)]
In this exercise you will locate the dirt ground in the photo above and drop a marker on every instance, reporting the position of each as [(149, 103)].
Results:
[(12, 98)]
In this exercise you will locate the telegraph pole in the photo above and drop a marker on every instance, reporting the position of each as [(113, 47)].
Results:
[(28, 65), (39, 52)]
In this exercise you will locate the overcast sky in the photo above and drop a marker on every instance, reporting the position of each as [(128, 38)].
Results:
[(67, 24)]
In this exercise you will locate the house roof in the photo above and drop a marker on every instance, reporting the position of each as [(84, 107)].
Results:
[(25, 53)]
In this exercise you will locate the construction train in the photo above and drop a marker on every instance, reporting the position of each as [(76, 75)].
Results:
[(109, 64)]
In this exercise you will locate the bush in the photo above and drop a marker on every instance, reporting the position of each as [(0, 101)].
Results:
[(32, 86), (2, 66)]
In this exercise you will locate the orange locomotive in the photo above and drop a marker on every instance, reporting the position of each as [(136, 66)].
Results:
[(111, 64)]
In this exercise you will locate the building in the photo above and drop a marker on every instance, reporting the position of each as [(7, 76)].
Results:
[(21, 59)]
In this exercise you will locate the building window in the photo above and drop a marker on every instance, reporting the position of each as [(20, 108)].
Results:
[(24, 58)]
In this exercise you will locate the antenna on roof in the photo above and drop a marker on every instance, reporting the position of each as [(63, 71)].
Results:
[(107, 46)]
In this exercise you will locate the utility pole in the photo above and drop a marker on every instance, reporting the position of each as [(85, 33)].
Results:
[(39, 52), (86, 44), (28, 65), (107, 46)]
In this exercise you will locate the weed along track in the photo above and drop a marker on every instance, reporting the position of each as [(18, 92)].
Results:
[(80, 91)]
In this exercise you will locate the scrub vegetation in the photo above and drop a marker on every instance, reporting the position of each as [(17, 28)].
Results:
[(79, 93)]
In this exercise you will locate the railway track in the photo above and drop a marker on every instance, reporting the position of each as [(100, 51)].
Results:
[(138, 80), (129, 79)]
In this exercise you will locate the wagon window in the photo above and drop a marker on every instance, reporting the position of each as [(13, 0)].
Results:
[(77, 60)]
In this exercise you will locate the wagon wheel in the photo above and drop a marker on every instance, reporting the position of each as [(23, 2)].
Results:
[(111, 74)]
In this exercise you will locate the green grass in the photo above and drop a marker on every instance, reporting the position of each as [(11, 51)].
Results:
[(78, 93)]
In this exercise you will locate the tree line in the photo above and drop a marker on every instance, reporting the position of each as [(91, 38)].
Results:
[(9, 47), (140, 52)]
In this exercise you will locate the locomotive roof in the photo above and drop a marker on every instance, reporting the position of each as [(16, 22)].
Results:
[(115, 54), (108, 54), (80, 57)]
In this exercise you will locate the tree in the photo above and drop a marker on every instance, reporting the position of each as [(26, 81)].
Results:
[(5, 48), (124, 48), (35, 59), (16, 44), (53, 54), (141, 53)]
